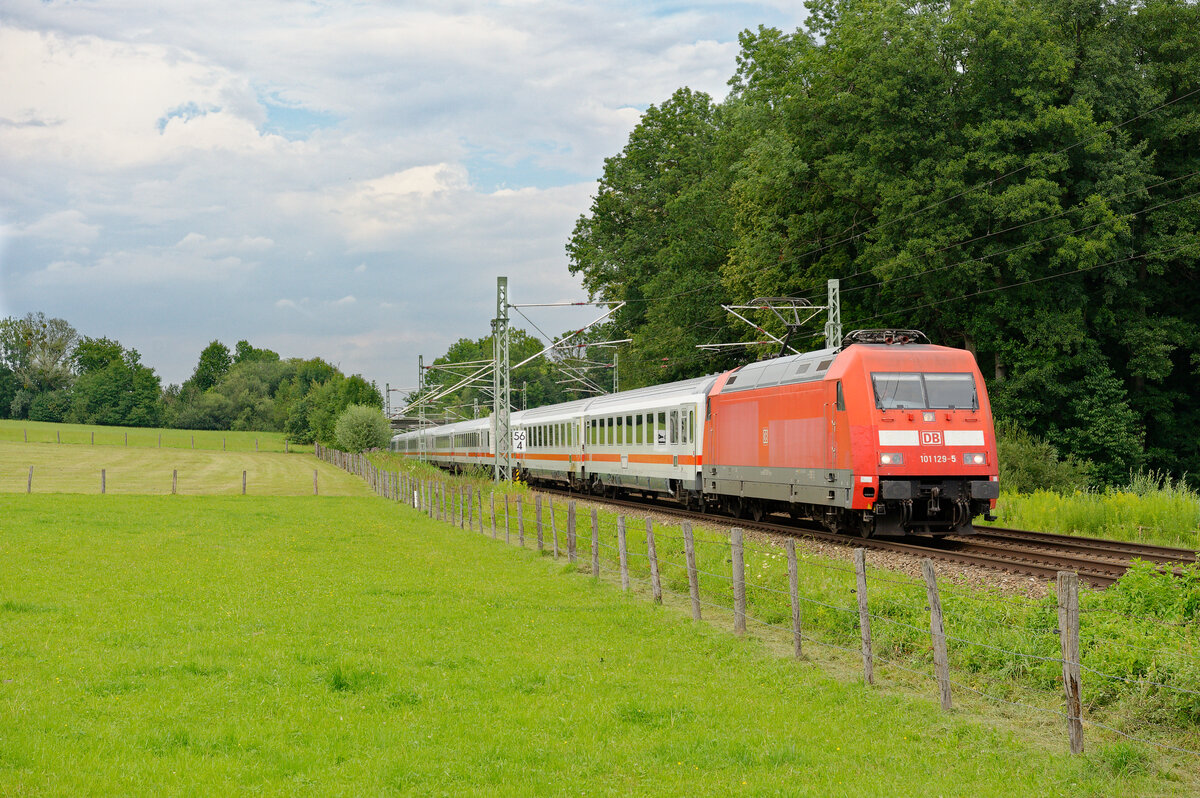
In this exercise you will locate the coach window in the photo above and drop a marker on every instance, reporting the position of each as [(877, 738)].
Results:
[(674, 427), (629, 429), (841, 399), (691, 425), (683, 427), (661, 427)]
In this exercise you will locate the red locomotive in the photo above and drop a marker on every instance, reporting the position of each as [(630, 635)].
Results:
[(885, 435)]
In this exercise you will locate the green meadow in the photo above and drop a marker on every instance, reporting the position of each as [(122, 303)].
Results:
[(144, 437), (75, 465), (171, 645)]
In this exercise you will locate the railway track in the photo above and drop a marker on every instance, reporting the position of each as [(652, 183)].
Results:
[(1039, 554)]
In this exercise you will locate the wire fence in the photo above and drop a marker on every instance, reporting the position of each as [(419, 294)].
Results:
[(1024, 645)]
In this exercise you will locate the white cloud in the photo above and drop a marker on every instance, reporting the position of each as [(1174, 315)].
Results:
[(168, 171)]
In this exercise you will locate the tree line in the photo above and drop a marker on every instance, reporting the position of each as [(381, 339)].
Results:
[(1017, 178), (48, 372)]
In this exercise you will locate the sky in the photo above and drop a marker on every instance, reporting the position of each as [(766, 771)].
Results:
[(328, 179)]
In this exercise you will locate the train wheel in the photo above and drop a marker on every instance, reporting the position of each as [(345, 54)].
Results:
[(756, 511)]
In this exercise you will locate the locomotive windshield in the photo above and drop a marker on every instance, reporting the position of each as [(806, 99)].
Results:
[(924, 391)]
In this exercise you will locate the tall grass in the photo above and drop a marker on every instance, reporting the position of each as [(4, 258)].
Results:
[(1151, 508)]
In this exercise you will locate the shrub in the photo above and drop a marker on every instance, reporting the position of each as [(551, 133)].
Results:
[(50, 406), (1028, 463), (361, 427)]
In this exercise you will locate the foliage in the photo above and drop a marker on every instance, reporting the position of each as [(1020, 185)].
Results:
[(1019, 179), (50, 406), (113, 387), (361, 427), (213, 365), (1028, 463), (37, 351), (1168, 515)]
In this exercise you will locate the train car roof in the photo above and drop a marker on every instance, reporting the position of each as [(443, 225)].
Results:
[(664, 395), (786, 370)]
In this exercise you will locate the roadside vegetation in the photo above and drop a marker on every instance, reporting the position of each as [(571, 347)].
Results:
[(1047, 492)]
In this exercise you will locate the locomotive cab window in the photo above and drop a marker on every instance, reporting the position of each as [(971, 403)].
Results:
[(917, 390), (841, 398)]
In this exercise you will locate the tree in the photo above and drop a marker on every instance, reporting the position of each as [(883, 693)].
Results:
[(37, 350), (243, 352), (361, 427), (113, 387), (214, 364)]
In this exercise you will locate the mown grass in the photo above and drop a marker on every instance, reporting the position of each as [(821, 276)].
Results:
[(1141, 639), (139, 470), (145, 437), (347, 646)]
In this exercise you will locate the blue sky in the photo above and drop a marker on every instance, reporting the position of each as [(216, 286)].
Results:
[(342, 180)]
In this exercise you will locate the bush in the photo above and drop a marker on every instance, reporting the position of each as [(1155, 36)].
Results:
[(361, 427), (1028, 463), (50, 406)]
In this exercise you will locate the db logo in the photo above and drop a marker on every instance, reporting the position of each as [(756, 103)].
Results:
[(931, 439)]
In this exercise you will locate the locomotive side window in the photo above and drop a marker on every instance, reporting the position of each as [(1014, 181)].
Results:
[(841, 399)]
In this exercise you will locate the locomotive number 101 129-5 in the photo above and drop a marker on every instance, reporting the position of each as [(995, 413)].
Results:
[(939, 458)]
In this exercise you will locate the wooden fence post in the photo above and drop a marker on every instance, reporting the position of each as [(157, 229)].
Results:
[(622, 552), (256, 444), (93, 439), (571, 532), (537, 507), (470, 508), (1068, 630), (937, 631), (520, 522), (507, 525), (864, 615), (160, 440), (739, 581), (595, 545), (58, 436), (689, 550), (126, 438), (243, 483), (193, 441), (481, 512), (553, 527), (462, 506), (315, 482), (102, 480), (174, 481), (652, 556), (27, 436), (794, 589), (29, 484), (222, 443), (493, 494)]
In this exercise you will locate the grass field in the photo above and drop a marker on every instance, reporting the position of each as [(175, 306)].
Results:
[(137, 470), (347, 646), (145, 437)]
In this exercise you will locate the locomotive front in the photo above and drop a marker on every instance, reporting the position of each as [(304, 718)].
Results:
[(929, 445)]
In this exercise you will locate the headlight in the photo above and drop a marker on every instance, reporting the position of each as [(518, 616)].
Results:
[(891, 459), (975, 458)]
